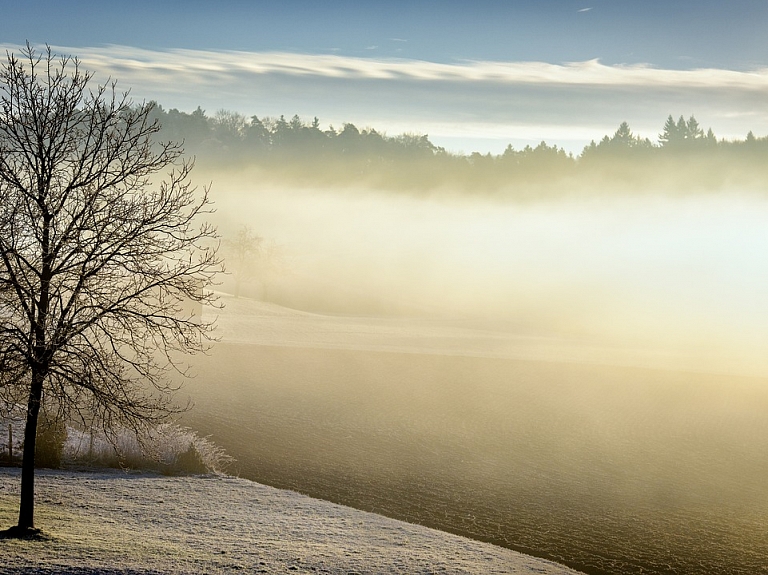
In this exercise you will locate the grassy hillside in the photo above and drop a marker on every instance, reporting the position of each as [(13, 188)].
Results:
[(133, 523)]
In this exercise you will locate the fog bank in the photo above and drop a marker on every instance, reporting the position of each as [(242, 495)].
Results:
[(644, 270)]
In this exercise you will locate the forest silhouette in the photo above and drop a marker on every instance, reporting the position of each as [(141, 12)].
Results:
[(684, 157)]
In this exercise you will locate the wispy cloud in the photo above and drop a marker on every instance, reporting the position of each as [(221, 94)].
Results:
[(585, 9), (592, 72), (564, 102)]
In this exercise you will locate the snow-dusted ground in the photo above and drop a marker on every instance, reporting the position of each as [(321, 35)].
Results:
[(136, 523)]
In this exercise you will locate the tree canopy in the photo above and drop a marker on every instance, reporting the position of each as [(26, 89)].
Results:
[(301, 151)]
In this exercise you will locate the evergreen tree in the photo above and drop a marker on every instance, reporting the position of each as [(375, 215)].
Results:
[(693, 130), (682, 132), (670, 135), (623, 137), (256, 134), (710, 139)]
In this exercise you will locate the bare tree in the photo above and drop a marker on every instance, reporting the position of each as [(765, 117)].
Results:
[(99, 255), (243, 251), (271, 263), (253, 259)]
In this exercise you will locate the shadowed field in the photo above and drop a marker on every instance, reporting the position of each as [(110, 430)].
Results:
[(607, 469)]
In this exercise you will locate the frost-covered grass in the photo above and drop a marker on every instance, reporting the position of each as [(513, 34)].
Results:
[(117, 522)]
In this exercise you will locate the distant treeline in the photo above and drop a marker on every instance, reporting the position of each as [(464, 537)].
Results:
[(301, 152)]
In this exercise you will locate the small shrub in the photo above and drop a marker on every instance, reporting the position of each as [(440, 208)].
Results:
[(49, 445), (188, 462)]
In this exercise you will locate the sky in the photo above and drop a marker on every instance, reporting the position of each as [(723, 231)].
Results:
[(474, 76)]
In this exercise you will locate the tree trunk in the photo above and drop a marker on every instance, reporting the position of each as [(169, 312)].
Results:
[(27, 505), (39, 372)]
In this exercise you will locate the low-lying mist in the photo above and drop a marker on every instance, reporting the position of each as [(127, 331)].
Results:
[(680, 275), (567, 376), (607, 469)]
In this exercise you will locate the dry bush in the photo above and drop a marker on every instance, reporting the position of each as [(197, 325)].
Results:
[(51, 437), (168, 448)]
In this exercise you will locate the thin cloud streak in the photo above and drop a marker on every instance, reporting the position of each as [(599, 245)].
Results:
[(489, 101), (591, 72)]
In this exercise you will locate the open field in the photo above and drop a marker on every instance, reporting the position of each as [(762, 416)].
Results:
[(138, 523), (606, 468)]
